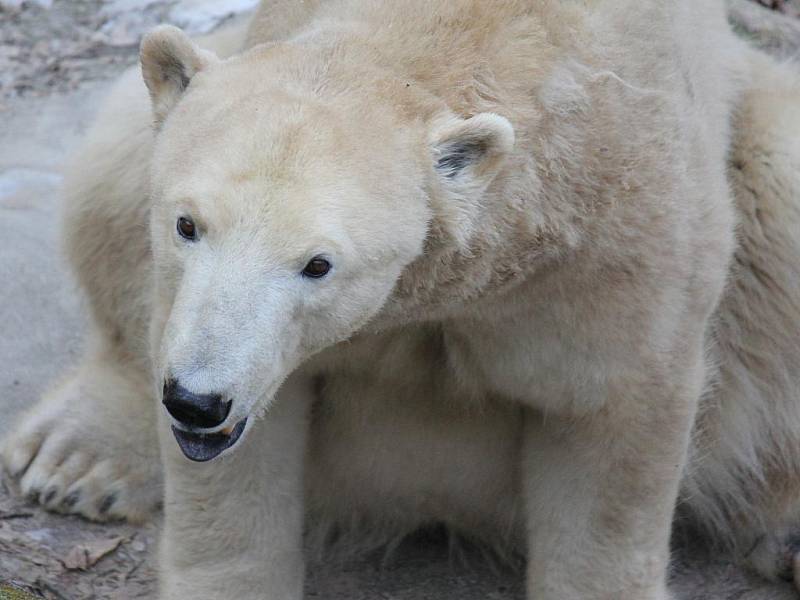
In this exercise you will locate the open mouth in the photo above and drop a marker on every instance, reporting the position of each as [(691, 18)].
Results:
[(202, 447)]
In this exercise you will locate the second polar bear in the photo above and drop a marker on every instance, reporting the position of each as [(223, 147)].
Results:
[(487, 244)]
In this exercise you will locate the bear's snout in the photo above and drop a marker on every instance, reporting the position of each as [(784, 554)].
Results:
[(194, 411)]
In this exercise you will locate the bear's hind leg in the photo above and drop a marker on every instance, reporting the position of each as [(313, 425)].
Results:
[(744, 484)]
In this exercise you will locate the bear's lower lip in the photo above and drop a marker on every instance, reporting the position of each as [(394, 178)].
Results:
[(202, 447)]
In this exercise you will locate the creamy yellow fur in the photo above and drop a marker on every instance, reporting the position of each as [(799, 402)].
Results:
[(515, 344)]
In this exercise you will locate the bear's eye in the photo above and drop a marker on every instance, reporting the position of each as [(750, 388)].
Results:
[(317, 267), (186, 229)]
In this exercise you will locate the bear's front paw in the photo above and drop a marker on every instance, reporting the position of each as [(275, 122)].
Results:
[(90, 448)]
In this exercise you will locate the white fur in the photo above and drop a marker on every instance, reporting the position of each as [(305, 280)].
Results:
[(513, 341)]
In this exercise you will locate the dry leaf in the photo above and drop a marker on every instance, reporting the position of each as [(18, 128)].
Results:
[(84, 555)]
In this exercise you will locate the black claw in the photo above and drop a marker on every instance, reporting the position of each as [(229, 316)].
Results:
[(49, 495), (71, 499), (107, 503)]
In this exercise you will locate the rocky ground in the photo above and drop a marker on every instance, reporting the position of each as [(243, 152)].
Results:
[(56, 60)]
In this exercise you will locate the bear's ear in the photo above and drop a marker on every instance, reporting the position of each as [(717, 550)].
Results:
[(468, 154), (169, 61)]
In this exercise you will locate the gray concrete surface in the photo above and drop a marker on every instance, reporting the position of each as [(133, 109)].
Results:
[(55, 64)]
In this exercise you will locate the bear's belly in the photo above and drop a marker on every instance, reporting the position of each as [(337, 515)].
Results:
[(385, 460)]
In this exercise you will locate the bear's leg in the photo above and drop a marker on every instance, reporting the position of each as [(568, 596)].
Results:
[(90, 446), (233, 526), (600, 490), (744, 486)]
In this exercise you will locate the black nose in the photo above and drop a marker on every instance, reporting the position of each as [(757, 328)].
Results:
[(194, 410)]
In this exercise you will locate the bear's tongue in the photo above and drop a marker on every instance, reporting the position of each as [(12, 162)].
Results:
[(202, 447)]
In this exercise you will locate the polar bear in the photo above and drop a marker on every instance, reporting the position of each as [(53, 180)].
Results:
[(473, 263)]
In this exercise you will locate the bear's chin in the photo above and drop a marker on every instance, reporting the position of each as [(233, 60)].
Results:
[(202, 447)]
